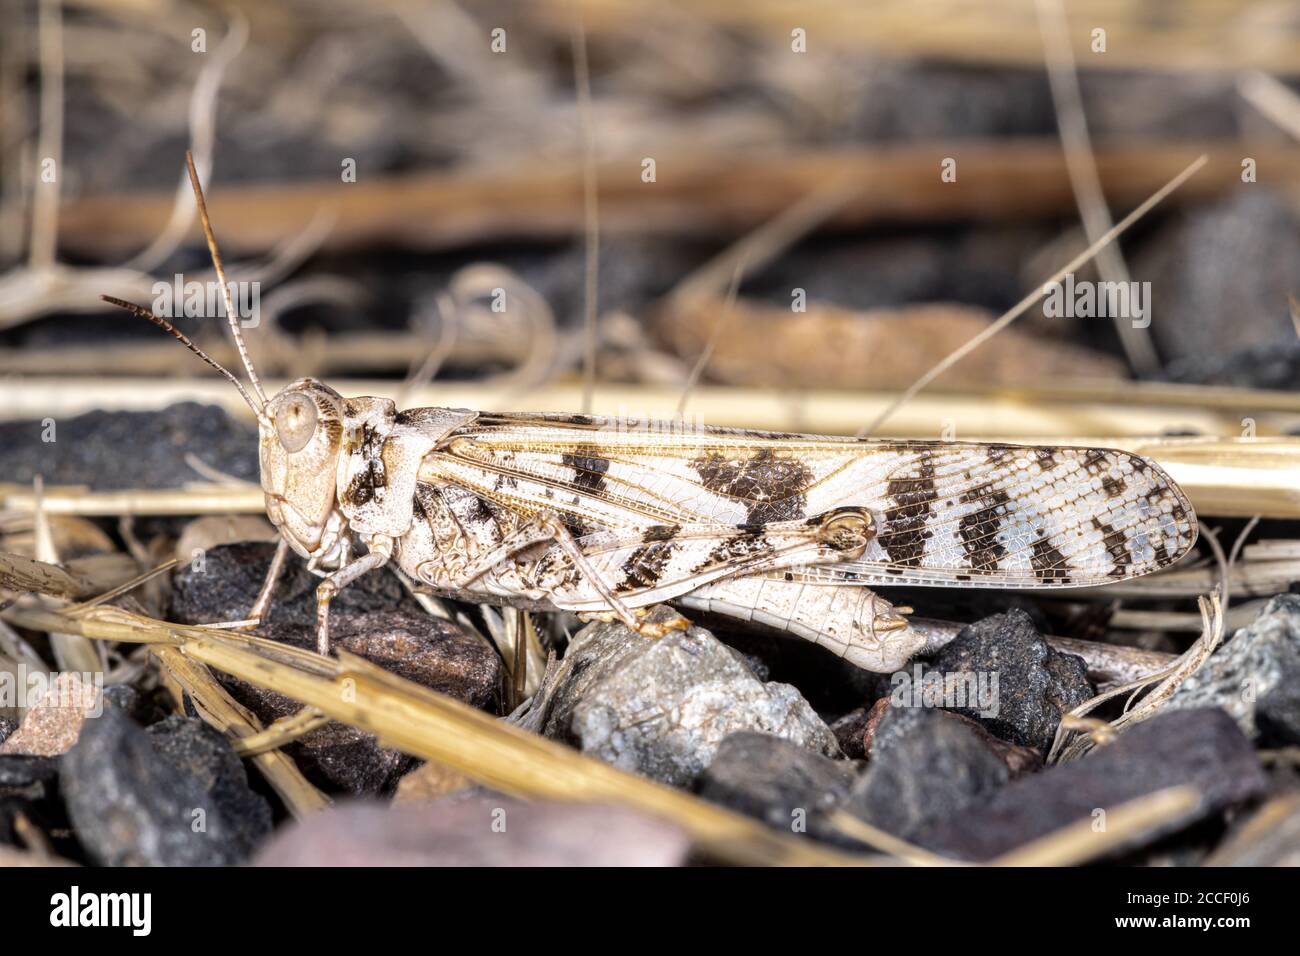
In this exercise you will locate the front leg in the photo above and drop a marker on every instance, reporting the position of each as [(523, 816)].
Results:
[(263, 602), (381, 550)]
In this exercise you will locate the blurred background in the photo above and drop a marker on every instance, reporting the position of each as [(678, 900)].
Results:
[(405, 183)]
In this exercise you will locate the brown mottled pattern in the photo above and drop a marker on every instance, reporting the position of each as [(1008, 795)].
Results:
[(738, 548), (554, 570), (370, 481), (773, 487), (646, 565), (478, 510)]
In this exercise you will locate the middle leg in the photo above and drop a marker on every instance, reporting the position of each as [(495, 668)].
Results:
[(547, 527)]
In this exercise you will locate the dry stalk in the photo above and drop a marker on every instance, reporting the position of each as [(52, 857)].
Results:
[(1079, 842), (1165, 683)]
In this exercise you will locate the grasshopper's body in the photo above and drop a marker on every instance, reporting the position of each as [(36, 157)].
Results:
[(602, 516), (593, 515)]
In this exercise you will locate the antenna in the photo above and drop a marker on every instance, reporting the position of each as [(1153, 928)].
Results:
[(184, 340), (221, 277)]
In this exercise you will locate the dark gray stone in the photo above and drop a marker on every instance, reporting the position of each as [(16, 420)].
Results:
[(1223, 271), (1200, 748), (1253, 674), (175, 796), (1036, 684), (1277, 712), (374, 618), (850, 730), (1274, 364), (1190, 105), (147, 449), (26, 785), (925, 101), (202, 753), (781, 783), (225, 585), (25, 775), (926, 765), (661, 707)]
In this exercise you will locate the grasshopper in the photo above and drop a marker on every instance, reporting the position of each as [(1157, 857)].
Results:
[(606, 518)]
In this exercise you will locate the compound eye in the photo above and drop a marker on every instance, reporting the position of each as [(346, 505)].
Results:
[(295, 422)]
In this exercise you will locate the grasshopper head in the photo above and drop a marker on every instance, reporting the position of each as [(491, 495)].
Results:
[(300, 429), (300, 436)]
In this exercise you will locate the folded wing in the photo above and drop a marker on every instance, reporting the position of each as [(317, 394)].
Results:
[(945, 513)]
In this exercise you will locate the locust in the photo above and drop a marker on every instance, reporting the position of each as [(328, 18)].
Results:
[(608, 517)]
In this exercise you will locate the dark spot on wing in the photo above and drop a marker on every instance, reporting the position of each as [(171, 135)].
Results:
[(771, 487), (588, 467), (661, 532), (1094, 459), (1114, 487), (1119, 554), (572, 419), (906, 528), (1049, 563), (979, 529), (1046, 458), (997, 453)]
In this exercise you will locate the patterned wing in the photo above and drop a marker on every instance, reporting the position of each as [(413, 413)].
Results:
[(1025, 517), (944, 513)]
